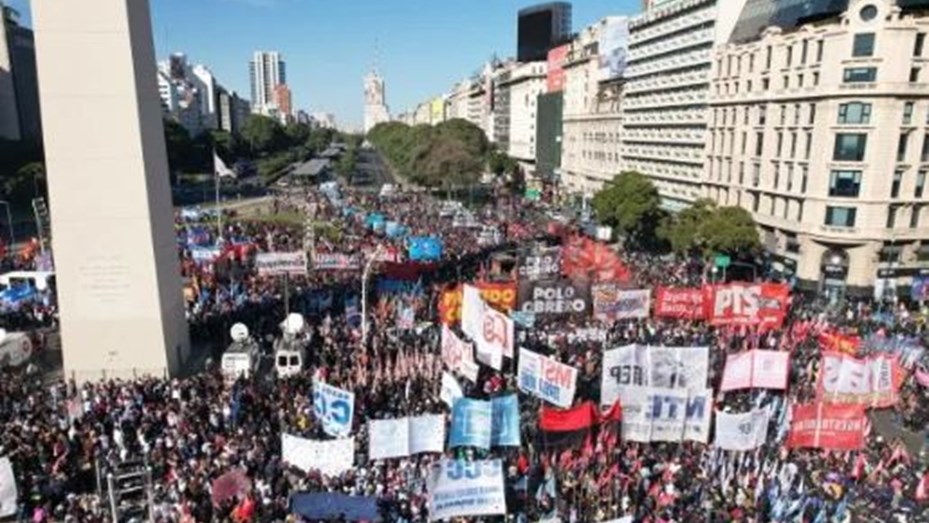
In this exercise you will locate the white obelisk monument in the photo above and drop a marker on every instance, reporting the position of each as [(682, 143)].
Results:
[(116, 261)]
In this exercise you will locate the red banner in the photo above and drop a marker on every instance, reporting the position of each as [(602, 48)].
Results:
[(761, 304), (835, 342), (826, 426), (499, 295), (680, 303), (583, 258)]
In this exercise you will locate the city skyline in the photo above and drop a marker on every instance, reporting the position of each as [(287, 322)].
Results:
[(326, 62)]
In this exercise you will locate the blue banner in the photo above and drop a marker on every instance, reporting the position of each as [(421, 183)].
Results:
[(198, 236), (331, 505), (505, 427), (376, 221), (471, 424), (393, 286), (16, 295), (425, 248), (523, 319), (394, 229), (334, 408)]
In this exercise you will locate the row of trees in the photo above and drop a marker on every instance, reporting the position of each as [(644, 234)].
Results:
[(632, 206), (451, 153)]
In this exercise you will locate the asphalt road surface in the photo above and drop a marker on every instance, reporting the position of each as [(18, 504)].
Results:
[(371, 168)]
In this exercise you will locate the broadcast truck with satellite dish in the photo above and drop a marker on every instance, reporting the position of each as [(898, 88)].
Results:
[(290, 350), (15, 348), (242, 356)]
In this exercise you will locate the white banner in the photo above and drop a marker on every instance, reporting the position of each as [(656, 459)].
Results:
[(336, 261), (741, 432), (279, 263), (846, 379), (8, 492), (472, 311), (397, 438), (458, 488), (660, 414), (491, 330), (451, 390), (650, 366), (458, 355), (760, 369), (331, 457), (334, 408), (611, 303), (546, 378)]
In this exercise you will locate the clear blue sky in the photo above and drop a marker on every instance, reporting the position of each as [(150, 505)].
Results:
[(425, 45)]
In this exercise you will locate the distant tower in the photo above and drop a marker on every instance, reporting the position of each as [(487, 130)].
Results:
[(375, 99)]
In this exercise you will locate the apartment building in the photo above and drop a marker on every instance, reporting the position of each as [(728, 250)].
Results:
[(821, 131), (667, 89), (523, 86)]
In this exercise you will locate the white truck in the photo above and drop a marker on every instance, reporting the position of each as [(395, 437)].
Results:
[(242, 357), (290, 350), (15, 348)]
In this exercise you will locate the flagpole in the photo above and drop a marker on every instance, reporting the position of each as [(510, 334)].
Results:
[(219, 210)]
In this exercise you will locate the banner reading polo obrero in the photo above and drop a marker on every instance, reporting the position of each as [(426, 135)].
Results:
[(682, 303), (458, 355), (546, 378), (336, 262), (762, 304), (459, 488), (827, 426), (756, 369), (550, 298), (637, 366), (278, 263), (872, 382), (612, 303), (540, 264)]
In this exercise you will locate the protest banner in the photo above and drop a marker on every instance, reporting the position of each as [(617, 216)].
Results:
[(397, 438), (540, 264), (742, 432), (680, 303), (472, 421), (334, 408), (872, 382), (458, 355), (472, 311), (504, 430), (610, 303), (553, 298), (451, 390), (202, 255), (458, 488), (279, 263), (334, 506), (669, 415), (335, 261), (8, 493), (634, 366), (546, 378), (762, 305), (827, 426), (330, 457), (424, 248), (501, 296), (491, 330), (756, 369), (835, 342)]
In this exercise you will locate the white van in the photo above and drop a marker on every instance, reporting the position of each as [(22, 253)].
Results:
[(290, 354), (15, 349), (40, 280)]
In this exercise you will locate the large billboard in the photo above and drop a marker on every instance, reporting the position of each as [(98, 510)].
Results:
[(556, 74), (613, 46)]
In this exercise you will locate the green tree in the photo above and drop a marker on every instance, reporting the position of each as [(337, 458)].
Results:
[(225, 144), (711, 229), (24, 184), (448, 162), (683, 231), (297, 134), (263, 135), (179, 145), (319, 139), (500, 163), (630, 204)]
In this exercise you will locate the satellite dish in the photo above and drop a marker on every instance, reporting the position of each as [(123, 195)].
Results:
[(239, 332), (293, 324)]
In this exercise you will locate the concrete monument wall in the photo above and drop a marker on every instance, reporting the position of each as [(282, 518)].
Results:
[(118, 275)]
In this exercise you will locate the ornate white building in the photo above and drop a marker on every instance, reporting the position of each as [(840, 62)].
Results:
[(375, 106)]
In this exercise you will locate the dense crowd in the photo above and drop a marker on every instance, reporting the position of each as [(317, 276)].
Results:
[(192, 431)]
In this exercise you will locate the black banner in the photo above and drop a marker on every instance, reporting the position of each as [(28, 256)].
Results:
[(554, 297), (541, 264)]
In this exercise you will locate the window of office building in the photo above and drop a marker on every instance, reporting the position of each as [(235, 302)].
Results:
[(895, 184), (845, 184), (789, 57), (780, 142), (840, 216), (920, 184), (892, 216), (859, 74), (762, 114), (854, 113), (767, 59), (812, 114), (756, 174), (819, 50), (924, 154), (805, 171), (901, 146), (803, 50), (809, 145), (915, 215), (907, 113), (918, 44), (914, 75), (796, 114), (793, 145), (759, 143), (863, 45), (850, 147)]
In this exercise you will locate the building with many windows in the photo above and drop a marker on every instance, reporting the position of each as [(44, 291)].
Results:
[(20, 117), (375, 107), (266, 71), (523, 86), (540, 28), (821, 130), (667, 90)]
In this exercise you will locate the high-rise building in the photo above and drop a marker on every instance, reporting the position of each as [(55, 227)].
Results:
[(819, 129), (202, 78), (665, 102), (524, 85), (231, 111), (267, 71), (283, 102), (375, 108), (20, 117), (541, 28)]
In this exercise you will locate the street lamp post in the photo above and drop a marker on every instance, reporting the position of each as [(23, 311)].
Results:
[(9, 220), (364, 293)]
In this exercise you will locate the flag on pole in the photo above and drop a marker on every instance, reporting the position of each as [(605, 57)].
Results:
[(220, 169)]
